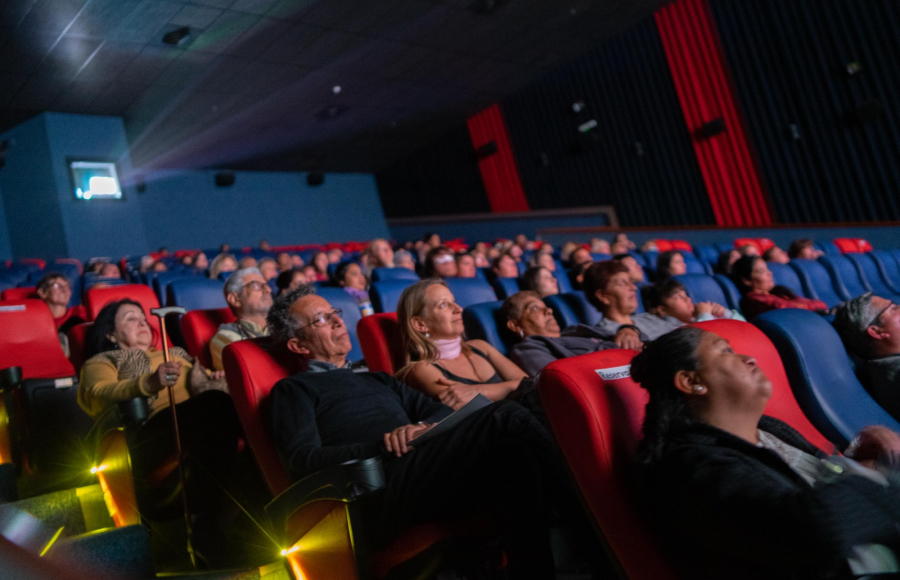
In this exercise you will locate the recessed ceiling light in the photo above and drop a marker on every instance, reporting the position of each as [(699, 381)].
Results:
[(178, 36)]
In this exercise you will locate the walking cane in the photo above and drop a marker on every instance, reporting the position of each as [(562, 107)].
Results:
[(161, 314)]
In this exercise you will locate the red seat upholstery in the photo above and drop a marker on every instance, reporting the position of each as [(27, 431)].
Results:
[(667, 245), (747, 339), (18, 293), (597, 419), (852, 245), (28, 339), (77, 337), (199, 326), (97, 298), (761, 244), (252, 369), (379, 338)]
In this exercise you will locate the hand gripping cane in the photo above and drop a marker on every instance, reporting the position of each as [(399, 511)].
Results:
[(161, 314)]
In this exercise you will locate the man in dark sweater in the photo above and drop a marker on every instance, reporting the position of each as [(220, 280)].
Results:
[(499, 460)]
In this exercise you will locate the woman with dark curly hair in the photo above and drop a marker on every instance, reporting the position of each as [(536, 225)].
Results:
[(754, 280), (737, 494)]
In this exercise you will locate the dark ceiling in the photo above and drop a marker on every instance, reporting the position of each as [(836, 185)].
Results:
[(254, 85)]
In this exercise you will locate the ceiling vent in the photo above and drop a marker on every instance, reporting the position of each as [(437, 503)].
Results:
[(178, 36)]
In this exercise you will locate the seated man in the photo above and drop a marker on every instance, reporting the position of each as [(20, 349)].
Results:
[(541, 342), (870, 328), (609, 288), (634, 269), (249, 297), (54, 289), (499, 460)]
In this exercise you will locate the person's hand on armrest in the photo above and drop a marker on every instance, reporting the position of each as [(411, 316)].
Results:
[(628, 337), (873, 445), (397, 441)]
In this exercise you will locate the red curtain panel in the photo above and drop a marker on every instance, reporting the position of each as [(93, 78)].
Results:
[(704, 88), (498, 169)]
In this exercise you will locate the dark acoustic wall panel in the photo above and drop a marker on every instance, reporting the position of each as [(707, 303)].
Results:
[(439, 179), (826, 136), (638, 159)]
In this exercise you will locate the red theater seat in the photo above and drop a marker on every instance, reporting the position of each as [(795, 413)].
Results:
[(379, 338), (18, 293), (199, 327), (77, 337), (761, 244), (330, 527), (852, 245), (97, 298), (28, 339)]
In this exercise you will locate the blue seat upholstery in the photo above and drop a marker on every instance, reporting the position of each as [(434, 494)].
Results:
[(196, 293), (703, 288), (816, 282), (505, 287), (338, 298), (723, 247), (693, 265), (844, 276), (828, 247), (572, 308), (468, 291), (785, 276), (890, 269), (600, 257), (160, 281), (640, 258), (483, 321), (386, 294), (562, 278), (379, 274), (707, 254), (821, 376), (732, 295), (871, 274)]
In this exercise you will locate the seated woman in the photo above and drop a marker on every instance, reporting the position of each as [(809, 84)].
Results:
[(290, 280), (726, 261), (737, 494), (439, 262), (465, 266), (669, 300), (670, 264), (541, 341), (222, 264), (543, 258), (403, 259), (540, 280), (123, 365), (54, 289), (348, 275), (319, 262), (199, 262), (804, 249), (609, 289), (504, 266), (753, 278), (438, 362), (379, 254)]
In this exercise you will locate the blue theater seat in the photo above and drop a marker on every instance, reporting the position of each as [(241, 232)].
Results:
[(694, 266), (505, 287), (195, 293), (821, 375), (386, 294), (703, 288), (889, 267), (562, 278), (600, 257), (380, 274), (732, 295), (468, 291), (640, 258), (844, 276), (872, 275), (573, 308), (483, 321), (708, 255), (828, 247), (816, 282), (340, 299), (785, 276), (160, 281)]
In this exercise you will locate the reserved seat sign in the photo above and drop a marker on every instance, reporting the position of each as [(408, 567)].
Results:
[(614, 373)]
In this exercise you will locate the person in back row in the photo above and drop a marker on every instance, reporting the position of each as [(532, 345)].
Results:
[(54, 289), (249, 297), (498, 460), (869, 326), (670, 301), (540, 341), (759, 293)]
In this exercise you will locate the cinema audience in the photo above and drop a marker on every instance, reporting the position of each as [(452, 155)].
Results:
[(540, 280), (439, 263), (465, 266), (804, 249), (249, 297), (670, 263), (504, 266), (222, 264), (760, 294)]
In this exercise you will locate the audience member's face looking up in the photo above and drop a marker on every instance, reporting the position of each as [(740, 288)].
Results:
[(581, 256), (620, 294), (322, 334), (383, 254), (255, 297), (536, 320), (886, 325), (268, 269), (546, 283), (132, 332), (635, 272), (441, 317), (545, 260), (444, 265), (56, 292), (761, 279), (506, 267), (678, 305), (354, 278), (677, 267), (465, 266)]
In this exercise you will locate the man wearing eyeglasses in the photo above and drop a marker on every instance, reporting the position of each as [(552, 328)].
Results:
[(249, 297), (499, 459), (869, 325)]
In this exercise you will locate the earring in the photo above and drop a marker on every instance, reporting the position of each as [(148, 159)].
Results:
[(698, 388), (427, 335), (521, 333)]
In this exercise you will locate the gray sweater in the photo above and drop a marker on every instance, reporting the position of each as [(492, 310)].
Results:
[(536, 352)]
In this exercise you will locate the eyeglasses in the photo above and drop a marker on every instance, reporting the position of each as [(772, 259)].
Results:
[(880, 312), (323, 319), (256, 286), (59, 284)]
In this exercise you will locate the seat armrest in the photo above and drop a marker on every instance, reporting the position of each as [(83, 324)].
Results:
[(345, 482)]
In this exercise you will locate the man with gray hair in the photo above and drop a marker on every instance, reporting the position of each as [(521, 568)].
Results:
[(497, 459), (869, 325), (249, 297)]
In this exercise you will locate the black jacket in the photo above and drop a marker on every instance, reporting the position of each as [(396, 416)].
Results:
[(728, 509)]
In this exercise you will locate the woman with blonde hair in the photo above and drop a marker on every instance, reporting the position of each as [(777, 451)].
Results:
[(438, 361)]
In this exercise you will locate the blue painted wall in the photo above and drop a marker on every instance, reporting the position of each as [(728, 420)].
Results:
[(490, 230), (30, 197), (5, 250), (184, 209), (98, 227)]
